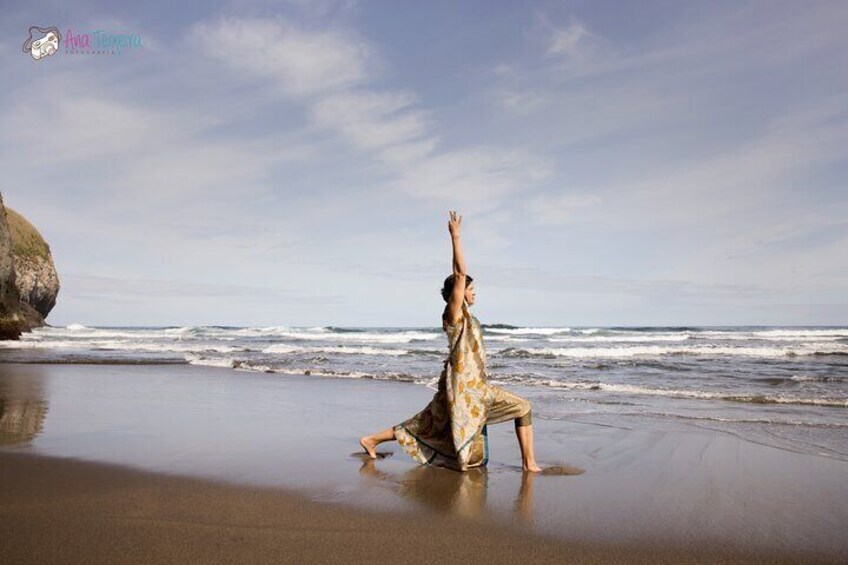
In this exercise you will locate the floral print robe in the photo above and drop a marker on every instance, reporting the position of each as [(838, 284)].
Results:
[(451, 431)]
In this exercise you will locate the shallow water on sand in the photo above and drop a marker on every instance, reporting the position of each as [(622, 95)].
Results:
[(644, 479)]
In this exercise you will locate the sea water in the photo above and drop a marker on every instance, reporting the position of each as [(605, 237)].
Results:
[(781, 386)]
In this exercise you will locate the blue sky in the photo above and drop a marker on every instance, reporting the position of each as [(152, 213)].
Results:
[(293, 163)]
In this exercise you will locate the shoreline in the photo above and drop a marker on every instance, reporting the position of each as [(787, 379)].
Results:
[(58, 510)]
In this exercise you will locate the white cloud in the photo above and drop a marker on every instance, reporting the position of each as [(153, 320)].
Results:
[(786, 231), (742, 177), (568, 41), (372, 120), (520, 277), (521, 101), (299, 62), (105, 287), (145, 155), (390, 124), (768, 254), (404, 155), (569, 46), (477, 178), (77, 126), (551, 209)]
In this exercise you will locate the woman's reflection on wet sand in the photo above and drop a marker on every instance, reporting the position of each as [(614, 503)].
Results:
[(461, 494)]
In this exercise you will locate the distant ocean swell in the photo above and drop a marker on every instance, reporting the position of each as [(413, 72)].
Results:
[(123, 341)]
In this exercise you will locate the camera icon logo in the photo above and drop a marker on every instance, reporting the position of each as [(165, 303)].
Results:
[(42, 42)]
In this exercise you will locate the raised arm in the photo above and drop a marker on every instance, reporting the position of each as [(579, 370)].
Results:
[(458, 294)]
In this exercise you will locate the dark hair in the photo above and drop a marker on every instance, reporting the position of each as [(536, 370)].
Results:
[(447, 289)]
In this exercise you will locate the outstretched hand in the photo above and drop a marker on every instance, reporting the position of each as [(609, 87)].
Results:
[(455, 224)]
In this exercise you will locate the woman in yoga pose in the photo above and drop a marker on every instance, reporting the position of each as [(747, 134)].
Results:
[(451, 430)]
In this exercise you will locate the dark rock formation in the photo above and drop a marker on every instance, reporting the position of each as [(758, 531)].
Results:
[(29, 284), (12, 321), (35, 274)]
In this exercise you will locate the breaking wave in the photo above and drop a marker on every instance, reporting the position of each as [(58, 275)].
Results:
[(657, 350)]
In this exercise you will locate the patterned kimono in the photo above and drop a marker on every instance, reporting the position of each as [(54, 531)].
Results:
[(451, 430)]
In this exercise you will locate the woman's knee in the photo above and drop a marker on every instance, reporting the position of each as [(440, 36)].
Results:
[(525, 420)]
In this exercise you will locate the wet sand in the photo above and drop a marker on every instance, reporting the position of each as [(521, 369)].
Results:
[(65, 511), (183, 463)]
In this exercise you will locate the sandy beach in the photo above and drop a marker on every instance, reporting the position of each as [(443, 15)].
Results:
[(117, 463), (67, 511)]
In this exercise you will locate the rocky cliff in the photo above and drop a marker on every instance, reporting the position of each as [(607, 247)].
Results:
[(35, 274), (29, 284)]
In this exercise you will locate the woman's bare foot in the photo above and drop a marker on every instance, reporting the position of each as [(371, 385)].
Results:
[(368, 445), (532, 467)]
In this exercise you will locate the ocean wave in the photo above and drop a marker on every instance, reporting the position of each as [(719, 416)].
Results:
[(717, 419), (792, 333), (428, 352), (48, 333), (245, 365), (343, 349), (693, 336), (76, 327), (796, 379), (338, 329), (359, 336), (122, 345), (231, 363), (765, 421), (101, 361), (819, 378), (533, 380), (260, 331), (652, 329), (130, 344), (190, 331), (766, 336), (509, 338), (710, 350), (204, 332), (620, 338), (669, 393), (536, 331), (228, 362)]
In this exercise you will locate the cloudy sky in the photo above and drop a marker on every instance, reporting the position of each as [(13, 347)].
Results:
[(294, 162)]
